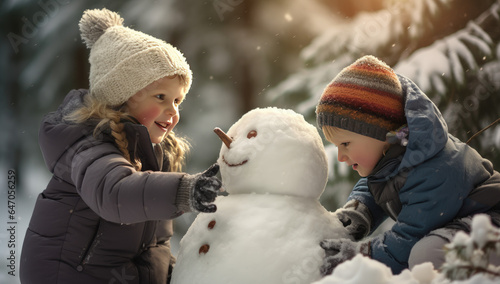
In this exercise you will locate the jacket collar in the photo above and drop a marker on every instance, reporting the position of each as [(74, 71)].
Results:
[(140, 145), (388, 165)]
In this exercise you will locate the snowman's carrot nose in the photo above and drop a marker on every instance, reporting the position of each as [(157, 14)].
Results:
[(223, 136)]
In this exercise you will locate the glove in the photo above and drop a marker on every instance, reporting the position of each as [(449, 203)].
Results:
[(202, 189), (340, 250), (356, 218)]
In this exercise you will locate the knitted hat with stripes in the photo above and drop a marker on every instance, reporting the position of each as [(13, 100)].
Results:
[(365, 98)]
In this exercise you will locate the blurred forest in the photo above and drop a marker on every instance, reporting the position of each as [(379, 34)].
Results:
[(247, 54)]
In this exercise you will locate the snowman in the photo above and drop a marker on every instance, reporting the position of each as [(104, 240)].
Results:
[(268, 229)]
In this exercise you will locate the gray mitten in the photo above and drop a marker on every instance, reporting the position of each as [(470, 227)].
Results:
[(338, 251), (356, 218), (201, 190)]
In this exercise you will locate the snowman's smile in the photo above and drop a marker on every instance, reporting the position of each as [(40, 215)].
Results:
[(233, 165)]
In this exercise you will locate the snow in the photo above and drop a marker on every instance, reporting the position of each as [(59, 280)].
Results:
[(286, 157), (307, 82), (362, 270), (365, 270), (269, 228), (480, 229), (427, 73), (468, 254), (434, 66), (257, 238)]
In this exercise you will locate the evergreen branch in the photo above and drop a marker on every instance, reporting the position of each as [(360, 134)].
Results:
[(482, 130)]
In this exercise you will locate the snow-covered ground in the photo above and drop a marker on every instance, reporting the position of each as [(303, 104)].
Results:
[(361, 270), (466, 253)]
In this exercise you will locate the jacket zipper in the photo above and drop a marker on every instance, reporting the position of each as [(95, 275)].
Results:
[(147, 235), (85, 259)]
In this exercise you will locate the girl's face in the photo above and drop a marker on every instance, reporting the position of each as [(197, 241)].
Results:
[(359, 151), (157, 106)]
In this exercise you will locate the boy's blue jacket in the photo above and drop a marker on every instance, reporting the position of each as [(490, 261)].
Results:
[(437, 179)]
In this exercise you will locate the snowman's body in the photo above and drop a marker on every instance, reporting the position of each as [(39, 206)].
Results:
[(269, 228)]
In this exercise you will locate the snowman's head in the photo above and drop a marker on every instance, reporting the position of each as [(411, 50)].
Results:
[(273, 151)]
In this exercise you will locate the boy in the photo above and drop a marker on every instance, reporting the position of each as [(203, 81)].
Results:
[(411, 169)]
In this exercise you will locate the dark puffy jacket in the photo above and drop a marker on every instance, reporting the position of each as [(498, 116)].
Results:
[(99, 220), (435, 180)]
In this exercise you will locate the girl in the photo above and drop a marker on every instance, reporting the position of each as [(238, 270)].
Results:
[(105, 216), (412, 169)]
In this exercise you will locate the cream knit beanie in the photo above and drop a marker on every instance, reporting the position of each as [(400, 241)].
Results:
[(124, 61)]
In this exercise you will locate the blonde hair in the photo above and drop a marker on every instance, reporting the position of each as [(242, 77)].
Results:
[(175, 148), (329, 131)]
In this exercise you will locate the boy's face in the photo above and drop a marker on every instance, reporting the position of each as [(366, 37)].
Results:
[(157, 106), (359, 151)]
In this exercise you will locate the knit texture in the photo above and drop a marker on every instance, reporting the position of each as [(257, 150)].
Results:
[(365, 98), (124, 61)]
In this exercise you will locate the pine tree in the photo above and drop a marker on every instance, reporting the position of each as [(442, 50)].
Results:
[(450, 48)]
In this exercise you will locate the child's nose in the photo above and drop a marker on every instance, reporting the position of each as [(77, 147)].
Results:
[(341, 157), (171, 109)]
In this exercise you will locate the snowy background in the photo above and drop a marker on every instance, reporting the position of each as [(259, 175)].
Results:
[(246, 54)]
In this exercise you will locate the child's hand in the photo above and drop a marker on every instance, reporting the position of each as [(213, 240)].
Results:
[(205, 190), (338, 251), (197, 192), (356, 218)]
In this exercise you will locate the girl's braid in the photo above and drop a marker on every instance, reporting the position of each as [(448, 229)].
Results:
[(176, 149), (120, 137)]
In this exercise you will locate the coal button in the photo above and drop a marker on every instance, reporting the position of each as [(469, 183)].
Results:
[(211, 225), (204, 249)]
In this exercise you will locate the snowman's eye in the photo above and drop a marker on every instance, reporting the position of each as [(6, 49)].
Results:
[(252, 134)]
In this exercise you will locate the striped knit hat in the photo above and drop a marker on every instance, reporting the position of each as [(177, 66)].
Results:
[(365, 98)]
